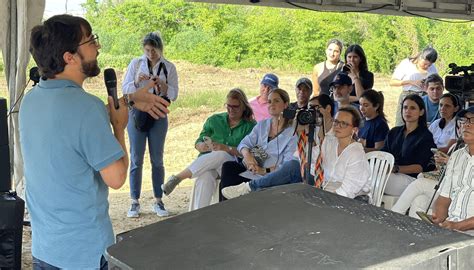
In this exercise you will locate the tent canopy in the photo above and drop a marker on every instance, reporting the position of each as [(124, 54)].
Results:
[(454, 9)]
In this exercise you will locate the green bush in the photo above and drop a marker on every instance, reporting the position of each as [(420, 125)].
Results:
[(247, 36)]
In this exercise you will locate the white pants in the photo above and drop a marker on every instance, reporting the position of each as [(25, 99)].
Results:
[(206, 169), (396, 183), (416, 196)]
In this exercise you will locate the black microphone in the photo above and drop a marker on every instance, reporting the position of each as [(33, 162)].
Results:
[(111, 83), (34, 75)]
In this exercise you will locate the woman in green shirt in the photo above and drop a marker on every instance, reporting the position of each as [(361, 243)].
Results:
[(217, 143)]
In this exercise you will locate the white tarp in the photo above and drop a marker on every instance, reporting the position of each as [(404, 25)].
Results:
[(19, 16)]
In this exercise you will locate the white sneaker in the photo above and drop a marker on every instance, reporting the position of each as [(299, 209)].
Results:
[(134, 211), (160, 210), (236, 191)]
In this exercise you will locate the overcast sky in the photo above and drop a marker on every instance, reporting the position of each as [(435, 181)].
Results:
[(59, 7)]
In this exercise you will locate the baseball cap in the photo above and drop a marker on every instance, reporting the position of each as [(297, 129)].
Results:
[(271, 80), (341, 79), (306, 82), (462, 113)]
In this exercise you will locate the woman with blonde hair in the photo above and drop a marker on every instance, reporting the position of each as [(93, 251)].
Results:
[(151, 66), (266, 148)]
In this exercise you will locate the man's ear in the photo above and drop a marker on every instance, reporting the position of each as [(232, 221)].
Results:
[(68, 58)]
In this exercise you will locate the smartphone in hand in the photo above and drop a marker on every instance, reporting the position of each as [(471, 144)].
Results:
[(439, 152), (425, 217), (207, 141)]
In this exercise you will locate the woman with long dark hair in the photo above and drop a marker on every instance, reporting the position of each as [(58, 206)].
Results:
[(150, 66), (409, 75), (375, 128), (444, 128), (357, 68), (410, 145)]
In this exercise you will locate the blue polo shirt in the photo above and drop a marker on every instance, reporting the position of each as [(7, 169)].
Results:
[(432, 110), (66, 140), (374, 130), (415, 148)]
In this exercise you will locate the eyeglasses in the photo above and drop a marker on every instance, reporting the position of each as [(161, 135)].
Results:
[(232, 107), (340, 124), (466, 120), (94, 38)]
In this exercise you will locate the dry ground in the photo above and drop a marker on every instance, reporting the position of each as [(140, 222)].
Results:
[(185, 125)]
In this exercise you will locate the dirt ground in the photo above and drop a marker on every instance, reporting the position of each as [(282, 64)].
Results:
[(184, 128)]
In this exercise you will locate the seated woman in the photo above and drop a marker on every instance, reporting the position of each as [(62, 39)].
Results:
[(346, 170), (443, 129), (375, 128), (410, 144), (418, 194), (225, 131), (274, 136), (357, 68)]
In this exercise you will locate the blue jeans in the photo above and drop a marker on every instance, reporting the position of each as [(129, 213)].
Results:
[(41, 265), (288, 173), (156, 143)]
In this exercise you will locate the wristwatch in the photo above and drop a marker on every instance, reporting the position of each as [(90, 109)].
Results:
[(396, 168), (130, 103)]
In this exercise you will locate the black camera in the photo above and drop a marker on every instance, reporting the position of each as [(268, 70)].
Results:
[(346, 68), (304, 116), (461, 80)]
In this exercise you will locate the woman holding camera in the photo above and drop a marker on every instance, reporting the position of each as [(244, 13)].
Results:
[(324, 72), (410, 73), (151, 66), (266, 148), (217, 143), (356, 67)]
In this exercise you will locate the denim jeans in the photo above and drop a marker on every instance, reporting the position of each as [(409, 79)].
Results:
[(288, 173), (156, 142), (41, 265)]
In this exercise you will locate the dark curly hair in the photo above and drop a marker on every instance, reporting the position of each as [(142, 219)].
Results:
[(56, 36)]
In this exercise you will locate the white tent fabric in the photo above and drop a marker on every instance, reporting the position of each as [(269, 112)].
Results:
[(19, 18)]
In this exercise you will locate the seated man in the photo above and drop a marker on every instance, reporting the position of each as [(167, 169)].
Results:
[(433, 85), (454, 208), (259, 103), (341, 87), (303, 89)]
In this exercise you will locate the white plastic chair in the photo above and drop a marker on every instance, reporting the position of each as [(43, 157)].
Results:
[(215, 196), (381, 165)]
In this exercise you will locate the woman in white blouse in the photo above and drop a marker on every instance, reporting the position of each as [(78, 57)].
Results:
[(346, 169), (443, 129), (150, 66)]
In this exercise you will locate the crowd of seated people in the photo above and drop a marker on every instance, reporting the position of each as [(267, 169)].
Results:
[(272, 151)]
